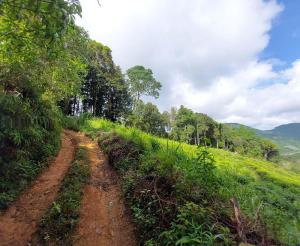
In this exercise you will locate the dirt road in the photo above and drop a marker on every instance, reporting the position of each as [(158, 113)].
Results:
[(103, 217), (19, 222)]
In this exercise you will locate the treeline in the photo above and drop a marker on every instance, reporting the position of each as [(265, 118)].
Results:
[(103, 91), (199, 129)]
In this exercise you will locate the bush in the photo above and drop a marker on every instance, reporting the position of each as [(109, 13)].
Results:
[(29, 134), (194, 226)]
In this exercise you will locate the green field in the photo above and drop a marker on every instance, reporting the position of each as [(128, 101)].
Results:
[(263, 189)]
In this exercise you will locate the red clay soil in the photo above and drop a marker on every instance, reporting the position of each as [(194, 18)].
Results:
[(19, 222), (104, 220)]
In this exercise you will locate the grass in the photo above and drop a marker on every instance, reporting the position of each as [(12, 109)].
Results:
[(58, 223), (266, 192)]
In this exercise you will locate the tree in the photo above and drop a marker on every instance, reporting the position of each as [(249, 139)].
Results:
[(166, 117), (104, 91), (148, 118), (141, 82), (184, 125), (269, 150)]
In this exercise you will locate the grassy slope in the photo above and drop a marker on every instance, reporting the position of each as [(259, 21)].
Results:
[(289, 147), (260, 187)]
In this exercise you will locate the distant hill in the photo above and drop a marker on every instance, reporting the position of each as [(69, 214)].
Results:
[(291, 131), (287, 137)]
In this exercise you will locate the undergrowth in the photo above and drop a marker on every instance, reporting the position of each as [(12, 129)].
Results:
[(75, 122), (167, 203), (29, 135), (180, 194), (58, 223)]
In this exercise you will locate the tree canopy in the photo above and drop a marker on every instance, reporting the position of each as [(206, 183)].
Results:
[(142, 82)]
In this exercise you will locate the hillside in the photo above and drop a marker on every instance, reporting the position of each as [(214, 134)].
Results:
[(287, 137), (262, 188), (84, 160), (291, 131)]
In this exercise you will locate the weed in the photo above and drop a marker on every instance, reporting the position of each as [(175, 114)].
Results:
[(57, 225)]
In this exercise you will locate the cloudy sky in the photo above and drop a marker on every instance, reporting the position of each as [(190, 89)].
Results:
[(236, 60)]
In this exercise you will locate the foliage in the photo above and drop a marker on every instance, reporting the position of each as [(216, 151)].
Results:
[(74, 123), (104, 91), (153, 187), (141, 82), (57, 225), (29, 133), (193, 226), (147, 118), (268, 194), (41, 62), (195, 128)]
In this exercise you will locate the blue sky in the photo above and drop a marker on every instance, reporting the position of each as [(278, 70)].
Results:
[(235, 60), (285, 34)]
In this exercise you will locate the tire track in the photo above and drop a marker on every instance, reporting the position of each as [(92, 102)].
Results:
[(20, 220)]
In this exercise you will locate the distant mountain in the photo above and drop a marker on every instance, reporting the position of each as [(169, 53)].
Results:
[(287, 137), (291, 131)]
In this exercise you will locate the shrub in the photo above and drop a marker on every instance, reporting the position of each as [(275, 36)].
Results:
[(194, 226), (75, 122), (29, 134)]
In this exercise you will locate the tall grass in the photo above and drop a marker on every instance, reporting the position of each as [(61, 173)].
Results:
[(264, 190)]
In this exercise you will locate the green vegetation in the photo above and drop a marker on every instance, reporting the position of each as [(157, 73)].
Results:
[(186, 126), (147, 118), (141, 82), (165, 181), (48, 66), (52, 75), (291, 162), (36, 69), (29, 133), (287, 140), (103, 91), (60, 220)]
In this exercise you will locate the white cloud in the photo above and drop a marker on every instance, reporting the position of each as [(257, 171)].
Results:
[(204, 52)]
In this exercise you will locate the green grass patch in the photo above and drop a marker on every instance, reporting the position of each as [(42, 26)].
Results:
[(57, 225), (157, 173)]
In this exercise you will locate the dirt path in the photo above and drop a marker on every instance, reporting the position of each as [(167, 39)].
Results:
[(19, 222), (103, 217)]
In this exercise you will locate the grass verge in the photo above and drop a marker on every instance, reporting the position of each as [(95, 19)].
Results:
[(57, 225), (181, 194)]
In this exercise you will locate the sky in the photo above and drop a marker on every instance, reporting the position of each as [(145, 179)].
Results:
[(235, 60)]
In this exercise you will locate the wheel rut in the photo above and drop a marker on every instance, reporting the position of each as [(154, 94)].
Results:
[(19, 222), (104, 219)]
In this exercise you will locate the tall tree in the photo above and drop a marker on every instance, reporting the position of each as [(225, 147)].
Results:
[(142, 82), (104, 91)]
